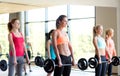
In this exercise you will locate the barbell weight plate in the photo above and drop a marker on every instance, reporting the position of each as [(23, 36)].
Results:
[(93, 62), (3, 65), (0, 54), (7, 56), (115, 60), (39, 61), (82, 64), (49, 65)]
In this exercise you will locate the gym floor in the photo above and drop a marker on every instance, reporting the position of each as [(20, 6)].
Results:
[(38, 71)]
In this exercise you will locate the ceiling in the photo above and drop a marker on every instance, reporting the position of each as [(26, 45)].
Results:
[(10, 6)]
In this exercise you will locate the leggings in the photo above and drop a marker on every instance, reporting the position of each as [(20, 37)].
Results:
[(64, 70), (29, 54), (18, 67), (100, 70), (109, 69)]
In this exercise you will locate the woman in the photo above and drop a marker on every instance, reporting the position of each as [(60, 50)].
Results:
[(50, 49), (16, 48), (100, 50), (29, 49), (111, 48), (62, 47)]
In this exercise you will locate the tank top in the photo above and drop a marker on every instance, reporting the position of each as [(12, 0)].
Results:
[(62, 39), (18, 44), (52, 52), (111, 48), (101, 43)]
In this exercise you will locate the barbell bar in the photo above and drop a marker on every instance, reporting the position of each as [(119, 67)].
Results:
[(93, 62), (49, 65), (39, 61)]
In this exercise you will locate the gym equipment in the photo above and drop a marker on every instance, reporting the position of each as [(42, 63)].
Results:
[(93, 62), (82, 64), (39, 61), (115, 60), (49, 65), (3, 65), (4, 54)]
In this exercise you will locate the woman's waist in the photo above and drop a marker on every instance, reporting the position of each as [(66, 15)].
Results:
[(64, 52), (101, 52), (18, 53)]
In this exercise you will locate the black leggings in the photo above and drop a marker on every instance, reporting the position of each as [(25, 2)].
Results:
[(109, 69), (100, 70), (64, 70), (29, 54)]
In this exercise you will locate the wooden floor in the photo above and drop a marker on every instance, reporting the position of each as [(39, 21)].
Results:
[(37, 71)]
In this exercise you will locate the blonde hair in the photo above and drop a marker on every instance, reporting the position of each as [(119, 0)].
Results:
[(109, 31), (95, 28)]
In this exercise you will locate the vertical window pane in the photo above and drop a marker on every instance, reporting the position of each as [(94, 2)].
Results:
[(77, 11), (4, 38), (37, 37), (54, 12), (36, 15), (51, 25), (4, 19), (81, 37)]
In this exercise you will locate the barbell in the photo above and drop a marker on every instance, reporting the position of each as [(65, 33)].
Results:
[(39, 61), (93, 62), (4, 54), (49, 65)]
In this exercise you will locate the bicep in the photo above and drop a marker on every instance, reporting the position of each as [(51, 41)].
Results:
[(107, 43), (48, 45), (10, 39), (95, 42), (54, 39)]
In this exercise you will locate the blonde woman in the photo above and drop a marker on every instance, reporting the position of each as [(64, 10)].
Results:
[(111, 48), (100, 50)]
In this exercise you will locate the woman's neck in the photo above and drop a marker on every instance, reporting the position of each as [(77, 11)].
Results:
[(98, 35), (15, 30)]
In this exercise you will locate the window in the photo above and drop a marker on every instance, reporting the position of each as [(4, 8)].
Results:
[(4, 19), (36, 15), (37, 37), (82, 20), (54, 12)]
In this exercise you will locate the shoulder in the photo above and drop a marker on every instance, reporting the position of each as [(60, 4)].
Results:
[(10, 34), (95, 37), (55, 32), (21, 33), (48, 41)]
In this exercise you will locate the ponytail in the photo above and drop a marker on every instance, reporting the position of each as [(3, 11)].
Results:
[(9, 26), (94, 31)]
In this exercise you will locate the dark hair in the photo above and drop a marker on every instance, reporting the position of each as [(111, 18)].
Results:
[(51, 31), (10, 24), (60, 18)]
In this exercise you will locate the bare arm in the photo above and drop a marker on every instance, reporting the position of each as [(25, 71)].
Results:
[(54, 37), (48, 48), (12, 47), (114, 51), (107, 48), (96, 47), (71, 50)]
